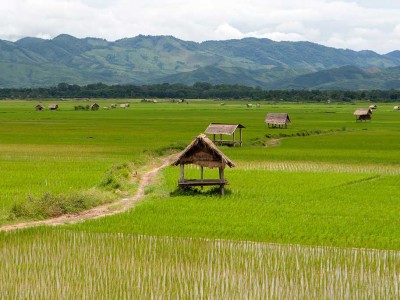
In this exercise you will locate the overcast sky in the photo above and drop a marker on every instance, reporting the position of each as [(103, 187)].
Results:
[(356, 24)]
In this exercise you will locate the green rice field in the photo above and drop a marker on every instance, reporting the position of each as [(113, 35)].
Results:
[(311, 210)]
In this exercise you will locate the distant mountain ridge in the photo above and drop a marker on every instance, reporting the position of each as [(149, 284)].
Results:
[(32, 62)]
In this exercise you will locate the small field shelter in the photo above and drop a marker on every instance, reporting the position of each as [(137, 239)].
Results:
[(94, 106), (203, 152), (277, 120), (53, 106), (363, 114), (220, 129)]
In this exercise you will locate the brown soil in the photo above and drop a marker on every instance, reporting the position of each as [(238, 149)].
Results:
[(108, 209), (273, 142)]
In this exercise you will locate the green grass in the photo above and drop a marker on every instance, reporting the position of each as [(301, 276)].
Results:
[(313, 208), (48, 264), (328, 182), (69, 151)]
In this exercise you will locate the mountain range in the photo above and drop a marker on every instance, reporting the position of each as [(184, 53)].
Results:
[(33, 62)]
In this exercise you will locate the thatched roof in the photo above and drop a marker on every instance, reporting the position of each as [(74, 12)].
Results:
[(203, 152), (53, 106), (277, 118), (362, 112), (220, 128)]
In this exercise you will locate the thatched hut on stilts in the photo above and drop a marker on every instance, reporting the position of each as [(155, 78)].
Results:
[(363, 114), (204, 153), (225, 129), (277, 120)]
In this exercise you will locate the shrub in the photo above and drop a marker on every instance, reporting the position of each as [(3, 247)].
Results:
[(50, 205), (117, 177)]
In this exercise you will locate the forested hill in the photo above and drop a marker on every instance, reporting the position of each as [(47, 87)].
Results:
[(200, 90), (33, 62)]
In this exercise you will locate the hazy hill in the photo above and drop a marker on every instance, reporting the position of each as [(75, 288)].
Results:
[(154, 59), (347, 77)]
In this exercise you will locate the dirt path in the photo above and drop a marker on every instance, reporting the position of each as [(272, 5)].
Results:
[(108, 209)]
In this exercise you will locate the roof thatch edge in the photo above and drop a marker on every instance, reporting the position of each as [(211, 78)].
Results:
[(202, 138)]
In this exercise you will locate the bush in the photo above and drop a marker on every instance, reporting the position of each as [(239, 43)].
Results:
[(116, 178), (50, 205), (81, 107)]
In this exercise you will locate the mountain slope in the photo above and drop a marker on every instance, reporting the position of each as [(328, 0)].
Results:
[(153, 59), (347, 77), (297, 55)]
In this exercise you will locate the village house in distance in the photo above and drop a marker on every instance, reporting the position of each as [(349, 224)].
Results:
[(94, 106), (39, 107), (53, 106), (277, 120), (363, 114)]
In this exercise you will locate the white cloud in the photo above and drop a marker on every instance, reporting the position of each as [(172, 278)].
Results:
[(355, 24), (226, 31)]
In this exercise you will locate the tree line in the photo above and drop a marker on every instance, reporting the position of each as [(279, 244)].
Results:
[(200, 90)]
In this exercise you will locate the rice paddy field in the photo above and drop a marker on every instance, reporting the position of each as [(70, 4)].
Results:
[(311, 211)]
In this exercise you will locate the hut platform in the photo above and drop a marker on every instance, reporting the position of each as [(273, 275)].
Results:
[(226, 142), (202, 182)]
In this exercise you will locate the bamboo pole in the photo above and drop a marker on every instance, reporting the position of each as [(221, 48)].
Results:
[(201, 174), (240, 133), (182, 177), (221, 178)]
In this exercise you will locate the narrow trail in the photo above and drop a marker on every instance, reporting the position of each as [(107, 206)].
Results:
[(108, 209)]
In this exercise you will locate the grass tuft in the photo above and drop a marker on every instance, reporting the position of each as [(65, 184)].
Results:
[(51, 205), (116, 178)]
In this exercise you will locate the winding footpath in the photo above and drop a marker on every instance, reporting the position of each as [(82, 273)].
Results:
[(108, 209)]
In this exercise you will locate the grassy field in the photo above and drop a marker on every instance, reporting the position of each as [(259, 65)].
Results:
[(43, 264), (312, 208), (67, 150), (325, 182)]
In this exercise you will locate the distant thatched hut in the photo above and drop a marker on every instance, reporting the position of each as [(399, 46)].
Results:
[(53, 106), (363, 114), (225, 129), (94, 106), (124, 105), (113, 105), (204, 153), (39, 107), (373, 106), (277, 120), (396, 107)]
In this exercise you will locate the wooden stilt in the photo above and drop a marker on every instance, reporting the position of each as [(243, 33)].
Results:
[(182, 177), (240, 136), (202, 175), (221, 177)]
